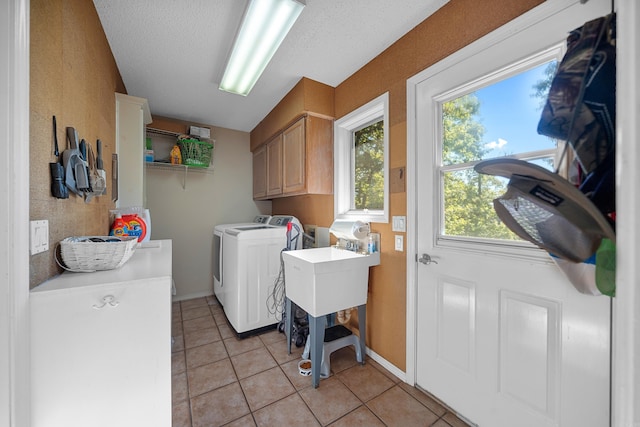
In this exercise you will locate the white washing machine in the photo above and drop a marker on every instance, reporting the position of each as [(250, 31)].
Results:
[(251, 268), (218, 232)]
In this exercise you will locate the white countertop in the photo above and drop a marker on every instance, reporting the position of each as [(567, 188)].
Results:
[(151, 260)]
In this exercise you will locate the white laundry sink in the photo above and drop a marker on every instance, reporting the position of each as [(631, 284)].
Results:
[(325, 280)]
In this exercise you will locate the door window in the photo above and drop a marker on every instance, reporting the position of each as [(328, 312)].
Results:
[(495, 116)]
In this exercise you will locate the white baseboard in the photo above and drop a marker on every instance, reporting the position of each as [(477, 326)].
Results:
[(387, 365), (185, 297)]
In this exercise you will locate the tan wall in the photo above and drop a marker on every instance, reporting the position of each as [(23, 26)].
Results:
[(457, 24), (73, 76), (188, 215)]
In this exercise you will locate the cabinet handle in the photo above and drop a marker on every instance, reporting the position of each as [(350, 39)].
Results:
[(107, 300)]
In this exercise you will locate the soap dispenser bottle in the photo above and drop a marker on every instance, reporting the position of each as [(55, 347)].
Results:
[(371, 245)]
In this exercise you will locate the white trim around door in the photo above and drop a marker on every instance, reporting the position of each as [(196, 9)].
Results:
[(14, 214), (626, 305)]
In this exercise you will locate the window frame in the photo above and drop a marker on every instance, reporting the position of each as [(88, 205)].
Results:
[(344, 160), (511, 248)]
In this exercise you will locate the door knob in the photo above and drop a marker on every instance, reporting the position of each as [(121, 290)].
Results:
[(426, 259)]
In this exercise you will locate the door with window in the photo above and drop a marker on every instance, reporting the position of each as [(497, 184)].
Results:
[(501, 335)]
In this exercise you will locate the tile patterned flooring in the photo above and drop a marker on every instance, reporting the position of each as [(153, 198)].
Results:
[(219, 380)]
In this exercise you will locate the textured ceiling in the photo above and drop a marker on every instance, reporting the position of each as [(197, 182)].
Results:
[(172, 52)]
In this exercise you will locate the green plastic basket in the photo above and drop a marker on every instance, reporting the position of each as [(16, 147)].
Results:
[(195, 153)]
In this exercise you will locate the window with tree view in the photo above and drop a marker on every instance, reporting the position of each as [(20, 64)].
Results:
[(494, 120), (361, 156), (369, 167)]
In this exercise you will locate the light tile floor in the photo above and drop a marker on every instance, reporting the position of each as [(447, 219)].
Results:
[(219, 380)]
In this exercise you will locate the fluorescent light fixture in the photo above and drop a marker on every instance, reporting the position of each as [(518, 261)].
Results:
[(264, 26)]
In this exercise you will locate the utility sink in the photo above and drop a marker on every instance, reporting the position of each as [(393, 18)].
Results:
[(325, 280)]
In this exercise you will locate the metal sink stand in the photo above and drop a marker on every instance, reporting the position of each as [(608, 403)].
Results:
[(316, 335)]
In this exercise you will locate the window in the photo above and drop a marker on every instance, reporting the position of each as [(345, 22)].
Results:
[(361, 160), (493, 117)]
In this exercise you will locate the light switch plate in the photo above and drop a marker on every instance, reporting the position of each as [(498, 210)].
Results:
[(399, 239), (398, 223), (39, 236)]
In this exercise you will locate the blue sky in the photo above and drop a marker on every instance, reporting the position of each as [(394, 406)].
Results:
[(510, 115)]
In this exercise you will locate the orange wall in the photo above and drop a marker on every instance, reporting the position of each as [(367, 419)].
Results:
[(73, 76), (454, 26)]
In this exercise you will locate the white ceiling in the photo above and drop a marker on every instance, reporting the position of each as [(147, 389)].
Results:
[(172, 52)]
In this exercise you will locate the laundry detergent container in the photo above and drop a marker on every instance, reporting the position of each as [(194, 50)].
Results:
[(325, 280)]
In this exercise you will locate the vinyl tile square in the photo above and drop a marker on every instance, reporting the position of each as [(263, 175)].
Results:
[(178, 343), (193, 303), (210, 377), (425, 399), (175, 307), (330, 401), (365, 381), (382, 369), (205, 354), (252, 362), (266, 387), (179, 388), (219, 317), (246, 421), (181, 414), (178, 363), (219, 407), (216, 309), (272, 336), (397, 407), (201, 337), (198, 323), (361, 417), (176, 328), (226, 331), (236, 346), (290, 411), (196, 312), (279, 352)]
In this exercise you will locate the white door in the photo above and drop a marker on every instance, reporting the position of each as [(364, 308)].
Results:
[(501, 336)]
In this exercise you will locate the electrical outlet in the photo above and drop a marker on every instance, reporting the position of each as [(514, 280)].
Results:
[(399, 243), (39, 236)]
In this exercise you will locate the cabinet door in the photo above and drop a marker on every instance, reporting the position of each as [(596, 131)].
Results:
[(274, 167), (101, 355), (260, 173), (293, 155)]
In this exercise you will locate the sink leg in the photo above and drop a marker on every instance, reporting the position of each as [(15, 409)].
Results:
[(288, 322), (316, 330), (362, 321)]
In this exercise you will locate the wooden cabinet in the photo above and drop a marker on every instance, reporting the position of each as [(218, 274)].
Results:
[(260, 173), (299, 160), (293, 158), (274, 166), (101, 345)]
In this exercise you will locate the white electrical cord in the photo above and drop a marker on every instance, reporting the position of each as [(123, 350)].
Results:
[(275, 301)]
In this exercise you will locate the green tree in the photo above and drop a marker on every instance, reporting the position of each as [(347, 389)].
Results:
[(541, 87), (369, 167), (468, 196)]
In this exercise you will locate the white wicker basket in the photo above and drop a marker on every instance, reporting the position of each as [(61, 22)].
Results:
[(86, 254)]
